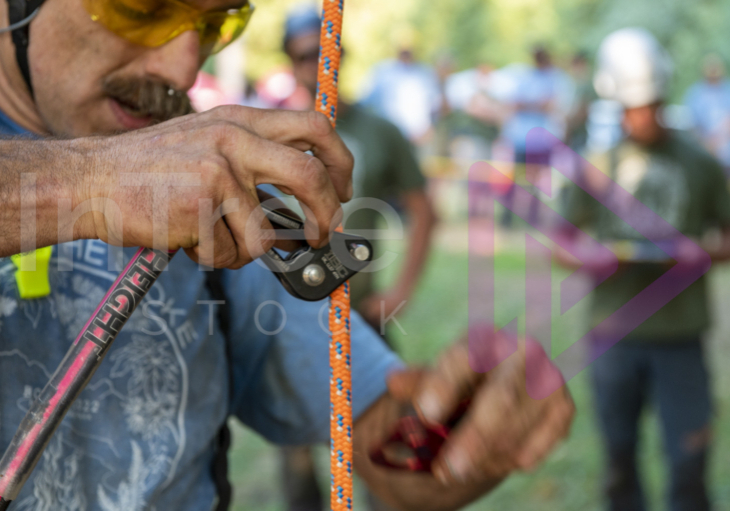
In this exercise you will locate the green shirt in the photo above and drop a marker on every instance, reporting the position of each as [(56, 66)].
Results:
[(684, 185), (385, 168)]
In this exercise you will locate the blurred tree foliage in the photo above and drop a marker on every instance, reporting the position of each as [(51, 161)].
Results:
[(501, 31), (689, 30)]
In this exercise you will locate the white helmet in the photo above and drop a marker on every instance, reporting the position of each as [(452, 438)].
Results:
[(632, 68)]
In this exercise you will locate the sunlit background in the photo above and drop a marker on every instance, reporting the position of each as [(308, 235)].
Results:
[(464, 34), (497, 32)]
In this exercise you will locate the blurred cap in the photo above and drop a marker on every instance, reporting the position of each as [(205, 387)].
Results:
[(301, 20), (632, 68)]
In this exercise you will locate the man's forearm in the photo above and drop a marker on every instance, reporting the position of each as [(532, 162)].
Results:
[(422, 221), (165, 186), (34, 176)]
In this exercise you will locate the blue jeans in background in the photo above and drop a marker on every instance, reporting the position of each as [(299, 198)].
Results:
[(673, 378)]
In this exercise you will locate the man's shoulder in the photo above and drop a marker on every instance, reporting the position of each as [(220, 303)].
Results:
[(685, 144), (702, 89), (385, 68), (680, 143)]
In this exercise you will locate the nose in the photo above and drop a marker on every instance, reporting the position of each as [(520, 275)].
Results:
[(176, 62)]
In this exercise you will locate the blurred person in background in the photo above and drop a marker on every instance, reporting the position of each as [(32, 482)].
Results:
[(250, 96), (207, 93), (709, 104), (385, 169), (661, 362), (472, 116), (406, 92), (278, 89), (584, 96), (541, 98)]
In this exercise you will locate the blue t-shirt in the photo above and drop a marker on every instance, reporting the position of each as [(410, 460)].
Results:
[(9, 127), (709, 104), (535, 86), (407, 94), (141, 435)]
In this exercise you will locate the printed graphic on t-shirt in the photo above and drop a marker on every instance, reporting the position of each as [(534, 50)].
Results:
[(143, 382)]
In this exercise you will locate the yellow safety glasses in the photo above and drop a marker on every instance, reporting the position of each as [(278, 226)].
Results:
[(154, 22)]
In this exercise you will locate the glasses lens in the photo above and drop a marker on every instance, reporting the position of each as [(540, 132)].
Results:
[(144, 22), (154, 22), (229, 29)]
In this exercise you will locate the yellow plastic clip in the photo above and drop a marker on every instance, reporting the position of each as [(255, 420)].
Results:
[(32, 273)]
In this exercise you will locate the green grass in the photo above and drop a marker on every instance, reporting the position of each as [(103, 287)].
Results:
[(571, 478)]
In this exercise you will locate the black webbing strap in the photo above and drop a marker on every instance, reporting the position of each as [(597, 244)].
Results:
[(214, 281), (18, 10)]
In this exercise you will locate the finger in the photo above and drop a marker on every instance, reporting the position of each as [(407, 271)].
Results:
[(554, 428), (251, 230), (443, 388), (543, 378), (215, 247), (529, 384), (304, 131), (476, 448), (295, 173), (402, 385), (487, 441)]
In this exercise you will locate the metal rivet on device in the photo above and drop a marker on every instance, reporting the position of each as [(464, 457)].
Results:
[(360, 252), (313, 275)]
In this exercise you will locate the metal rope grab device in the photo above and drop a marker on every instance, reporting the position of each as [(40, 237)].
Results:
[(308, 274)]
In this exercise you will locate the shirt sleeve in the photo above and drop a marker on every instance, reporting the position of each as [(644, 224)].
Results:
[(280, 352)]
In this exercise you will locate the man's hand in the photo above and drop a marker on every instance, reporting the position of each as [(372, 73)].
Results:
[(211, 163), (505, 429)]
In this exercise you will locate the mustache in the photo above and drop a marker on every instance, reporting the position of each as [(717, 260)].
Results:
[(149, 98)]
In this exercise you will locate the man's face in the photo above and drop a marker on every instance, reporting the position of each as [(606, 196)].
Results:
[(580, 69), (642, 124), (87, 80), (714, 72), (303, 51), (406, 55), (542, 58)]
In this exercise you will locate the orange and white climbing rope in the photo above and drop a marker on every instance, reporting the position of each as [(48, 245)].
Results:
[(339, 321)]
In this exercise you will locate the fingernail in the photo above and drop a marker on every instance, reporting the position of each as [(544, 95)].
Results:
[(459, 465), (430, 408), (439, 473)]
